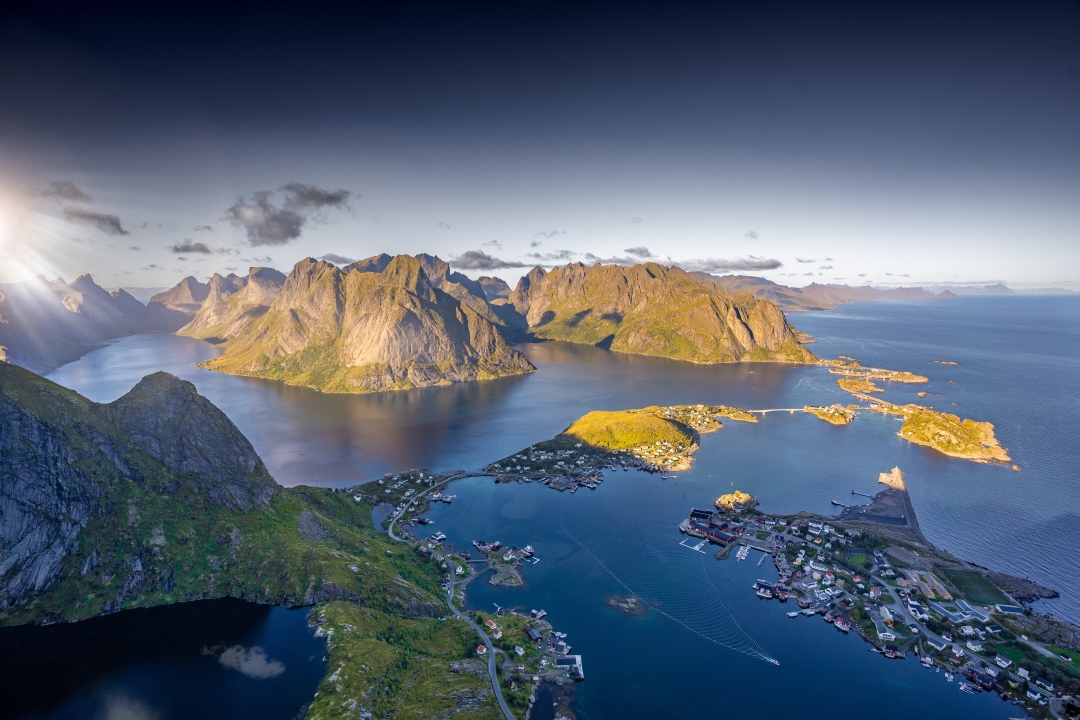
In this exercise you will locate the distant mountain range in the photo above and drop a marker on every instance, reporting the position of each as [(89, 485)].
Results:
[(45, 324)]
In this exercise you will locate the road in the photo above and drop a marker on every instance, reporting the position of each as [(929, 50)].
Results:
[(492, 670)]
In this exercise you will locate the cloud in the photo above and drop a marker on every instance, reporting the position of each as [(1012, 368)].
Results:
[(888, 273), (804, 260), (550, 233), (109, 224), (809, 273), (636, 221), (226, 251), (751, 235), (641, 251), (63, 191), (134, 247), (862, 274), (828, 259), (202, 228), (251, 662), (151, 267), (556, 256), (181, 258), (189, 247), (826, 267), (269, 224), (444, 225), (614, 260), (480, 260), (493, 243), (121, 707), (536, 243), (336, 259), (750, 262)]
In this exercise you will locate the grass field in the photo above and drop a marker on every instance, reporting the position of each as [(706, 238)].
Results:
[(1066, 652), (975, 587)]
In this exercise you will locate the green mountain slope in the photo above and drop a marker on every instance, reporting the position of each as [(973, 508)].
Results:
[(380, 326), (158, 498), (654, 310)]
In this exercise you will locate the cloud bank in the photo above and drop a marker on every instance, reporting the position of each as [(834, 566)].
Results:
[(251, 662), (748, 263), (337, 259), (108, 224), (189, 247), (480, 260), (270, 224), (64, 191)]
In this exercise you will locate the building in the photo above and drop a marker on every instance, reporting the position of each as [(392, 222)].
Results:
[(573, 664)]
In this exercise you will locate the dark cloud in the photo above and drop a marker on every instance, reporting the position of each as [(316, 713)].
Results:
[(336, 259), (134, 247), (614, 260), (550, 233), (190, 247), (750, 262), (109, 224), (804, 260), (641, 251), (202, 228), (64, 191), (494, 244), (636, 221), (556, 256), (751, 235), (179, 259), (269, 224), (480, 260), (226, 251), (444, 225), (536, 243), (826, 267)]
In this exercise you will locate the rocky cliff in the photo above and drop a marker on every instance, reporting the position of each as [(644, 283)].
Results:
[(158, 497), (379, 324), (232, 303), (654, 310), (46, 324)]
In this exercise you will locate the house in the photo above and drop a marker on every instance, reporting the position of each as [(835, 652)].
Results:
[(886, 616), (535, 635), (937, 645), (573, 664), (481, 650), (491, 624), (875, 593), (497, 634), (975, 647), (1045, 684), (519, 651), (1002, 662)]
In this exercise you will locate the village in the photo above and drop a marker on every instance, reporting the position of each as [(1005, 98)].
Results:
[(901, 595)]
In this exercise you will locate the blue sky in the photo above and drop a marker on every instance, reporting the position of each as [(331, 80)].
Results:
[(918, 144)]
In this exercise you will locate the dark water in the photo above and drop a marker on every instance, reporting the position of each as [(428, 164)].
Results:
[(1018, 368), (214, 659)]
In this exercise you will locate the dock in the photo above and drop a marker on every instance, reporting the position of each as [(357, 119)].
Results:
[(696, 548), (837, 502), (855, 492)]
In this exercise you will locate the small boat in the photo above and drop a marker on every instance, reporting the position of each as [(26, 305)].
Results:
[(927, 661), (809, 611), (948, 677), (967, 688), (764, 593), (842, 625), (793, 613)]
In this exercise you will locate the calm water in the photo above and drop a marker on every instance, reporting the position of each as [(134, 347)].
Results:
[(1018, 368), (223, 659)]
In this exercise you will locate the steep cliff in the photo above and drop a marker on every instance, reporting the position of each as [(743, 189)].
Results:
[(233, 303), (158, 497), (654, 310), (46, 324), (374, 325)]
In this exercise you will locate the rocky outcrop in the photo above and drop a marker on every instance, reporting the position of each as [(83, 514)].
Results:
[(654, 310), (186, 296), (46, 324), (233, 303), (374, 325), (62, 458)]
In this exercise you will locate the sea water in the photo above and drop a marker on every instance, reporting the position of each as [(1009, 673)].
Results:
[(701, 649)]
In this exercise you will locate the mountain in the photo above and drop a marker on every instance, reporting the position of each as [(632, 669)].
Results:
[(46, 324), (495, 288), (378, 324), (654, 310), (186, 296), (786, 298), (232, 303)]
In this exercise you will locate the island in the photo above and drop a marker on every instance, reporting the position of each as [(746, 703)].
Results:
[(835, 414), (654, 439)]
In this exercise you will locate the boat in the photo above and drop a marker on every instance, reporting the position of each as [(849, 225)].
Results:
[(967, 688), (842, 625), (764, 593), (809, 611), (793, 613), (927, 661)]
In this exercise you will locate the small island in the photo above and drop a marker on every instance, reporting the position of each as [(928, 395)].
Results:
[(854, 370), (835, 414), (861, 385)]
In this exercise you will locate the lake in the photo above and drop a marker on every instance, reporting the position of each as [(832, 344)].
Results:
[(1018, 368)]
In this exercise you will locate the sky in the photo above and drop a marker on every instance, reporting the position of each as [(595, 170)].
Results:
[(890, 144)]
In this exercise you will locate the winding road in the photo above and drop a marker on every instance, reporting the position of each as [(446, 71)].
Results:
[(492, 669)]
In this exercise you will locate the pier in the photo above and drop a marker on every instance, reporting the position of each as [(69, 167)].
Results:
[(837, 502), (855, 492)]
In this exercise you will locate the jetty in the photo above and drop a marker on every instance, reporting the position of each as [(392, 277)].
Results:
[(837, 502), (856, 492)]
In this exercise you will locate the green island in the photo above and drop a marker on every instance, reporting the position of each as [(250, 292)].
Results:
[(654, 439), (853, 369), (835, 414), (858, 385)]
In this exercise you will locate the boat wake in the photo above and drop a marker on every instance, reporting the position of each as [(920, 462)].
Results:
[(671, 581)]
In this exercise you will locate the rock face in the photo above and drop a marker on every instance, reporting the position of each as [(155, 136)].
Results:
[(378, 324), (186, 296), (232, 303), (62, 457), (654, 310), (46, 324)]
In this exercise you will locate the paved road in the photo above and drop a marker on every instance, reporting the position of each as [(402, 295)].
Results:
[(492, 671)]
